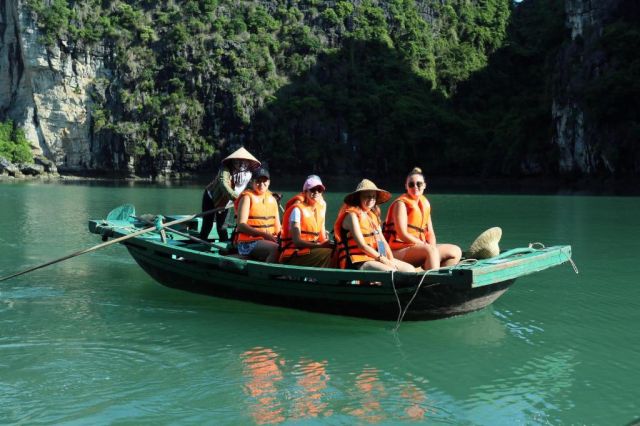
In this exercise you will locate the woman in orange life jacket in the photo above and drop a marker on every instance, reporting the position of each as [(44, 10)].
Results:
[(258, 220), (409, 230), (357, 231), (304, 240)]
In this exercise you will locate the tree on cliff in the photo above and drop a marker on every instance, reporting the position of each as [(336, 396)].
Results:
[(13, 144)]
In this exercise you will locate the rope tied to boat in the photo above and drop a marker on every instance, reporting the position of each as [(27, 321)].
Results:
[(465, 262), (403, 311), (539, 246), (157, 221)]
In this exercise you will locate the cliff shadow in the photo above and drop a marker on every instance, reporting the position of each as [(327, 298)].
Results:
[(360, 110)]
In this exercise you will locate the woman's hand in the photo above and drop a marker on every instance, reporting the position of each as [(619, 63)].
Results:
[(385, 260)]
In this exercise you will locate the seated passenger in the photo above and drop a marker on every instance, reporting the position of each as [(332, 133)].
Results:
[(258, 220), (304, 240), (409, 230), (358, 235)]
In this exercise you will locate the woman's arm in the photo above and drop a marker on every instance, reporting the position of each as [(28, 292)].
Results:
[(225, 181), (351, 223), (278, 226), (432, 233)]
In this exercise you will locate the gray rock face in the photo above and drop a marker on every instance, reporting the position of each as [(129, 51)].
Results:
[(45, 91), (579, 62), (7, 167), (31, 169)]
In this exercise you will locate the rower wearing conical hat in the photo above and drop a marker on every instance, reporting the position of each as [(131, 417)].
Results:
[(232, 178)]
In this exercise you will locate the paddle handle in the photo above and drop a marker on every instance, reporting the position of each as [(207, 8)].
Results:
[(184, 234), (108, 243)]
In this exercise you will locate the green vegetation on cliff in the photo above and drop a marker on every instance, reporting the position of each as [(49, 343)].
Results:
[(13, 144), (366, 86)]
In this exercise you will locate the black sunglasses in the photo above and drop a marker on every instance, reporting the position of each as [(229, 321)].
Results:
[(316, 189), (417, 184)]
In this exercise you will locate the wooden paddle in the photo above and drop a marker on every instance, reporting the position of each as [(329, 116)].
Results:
[(108, 243), (184, 234)]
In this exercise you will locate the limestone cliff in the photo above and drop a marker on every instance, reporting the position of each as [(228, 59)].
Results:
[(587, 145), (46, 91), (161, 106)]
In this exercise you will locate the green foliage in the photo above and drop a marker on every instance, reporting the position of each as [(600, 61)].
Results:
[(508, 103), (364, 84), (13, 144)]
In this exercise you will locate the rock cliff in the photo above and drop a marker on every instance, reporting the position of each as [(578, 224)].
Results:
[(46, 90), (52, 93), (589, 146)]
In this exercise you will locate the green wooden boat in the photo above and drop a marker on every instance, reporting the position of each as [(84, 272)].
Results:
[(177, 261)]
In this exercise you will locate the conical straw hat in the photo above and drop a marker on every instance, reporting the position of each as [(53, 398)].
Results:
[(242, 154), (486, 245), (367, 185)]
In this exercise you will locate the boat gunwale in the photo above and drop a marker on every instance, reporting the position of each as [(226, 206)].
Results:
[(472, 275)]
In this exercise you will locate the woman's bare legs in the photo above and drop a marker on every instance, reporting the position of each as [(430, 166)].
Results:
[(400, 266), (424, 255), (450, 254)]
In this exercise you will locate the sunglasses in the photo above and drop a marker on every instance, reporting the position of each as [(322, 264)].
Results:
[(317, 189), (417, 184), (369, 196)]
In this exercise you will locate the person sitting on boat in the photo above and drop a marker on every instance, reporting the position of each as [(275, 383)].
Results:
[(359, 239), (232, 178), (304, 240), (258, 220), (409, 230)]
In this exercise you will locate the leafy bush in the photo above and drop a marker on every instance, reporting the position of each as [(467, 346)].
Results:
[(13, 144)]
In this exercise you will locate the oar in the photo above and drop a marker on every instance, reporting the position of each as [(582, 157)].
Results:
[(184, 234), (108, 243)]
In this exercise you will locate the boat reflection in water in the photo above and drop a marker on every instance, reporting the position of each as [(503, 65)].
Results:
[(279, 390), (262, 369)]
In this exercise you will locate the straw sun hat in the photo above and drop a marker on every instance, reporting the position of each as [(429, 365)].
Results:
[(486, 245), (242, 154), (353, 199)]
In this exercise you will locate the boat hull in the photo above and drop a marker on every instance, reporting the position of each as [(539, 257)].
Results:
[(177, 260), (433, 299)]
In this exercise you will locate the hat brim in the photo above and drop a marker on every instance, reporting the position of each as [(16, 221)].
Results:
[(242, 154), (315, 186), (486, 245), (254, 164), (353, 199)]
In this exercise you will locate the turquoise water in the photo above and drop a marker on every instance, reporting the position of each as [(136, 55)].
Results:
[(94, 340)]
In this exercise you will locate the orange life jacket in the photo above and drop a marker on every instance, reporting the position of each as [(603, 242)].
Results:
[(348, 251), (263, 211), (311, 226), (418, 212)]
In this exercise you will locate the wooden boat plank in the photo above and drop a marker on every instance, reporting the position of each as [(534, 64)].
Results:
[(495, 271)]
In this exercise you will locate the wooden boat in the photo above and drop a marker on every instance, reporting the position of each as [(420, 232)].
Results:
[(176, 261)]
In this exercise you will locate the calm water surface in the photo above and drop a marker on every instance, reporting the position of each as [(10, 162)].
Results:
[(94, 340)]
